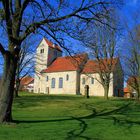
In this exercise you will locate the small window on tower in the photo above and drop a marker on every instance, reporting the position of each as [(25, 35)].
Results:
[(42, 51)]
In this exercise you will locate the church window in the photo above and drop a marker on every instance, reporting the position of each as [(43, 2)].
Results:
[(92, 80), (53, 83), (42, 51), (83, 81), (60, 82), (47, 78)]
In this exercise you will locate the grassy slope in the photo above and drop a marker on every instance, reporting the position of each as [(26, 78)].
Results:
[(40, 117)]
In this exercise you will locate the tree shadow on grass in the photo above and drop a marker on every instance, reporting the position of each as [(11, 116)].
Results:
[(78, 132), (33, 100), (90, 116), (102, 114)]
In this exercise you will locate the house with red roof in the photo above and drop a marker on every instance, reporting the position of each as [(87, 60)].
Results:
[(127, 92), (133, 87), (27, 84), (56, 74)]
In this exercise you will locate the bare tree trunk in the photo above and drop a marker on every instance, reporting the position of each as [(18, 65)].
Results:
[(17, 85), (7, 88), (106, 90)]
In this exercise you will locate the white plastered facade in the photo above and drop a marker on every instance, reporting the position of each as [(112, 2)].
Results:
[(74, 85), (95, 87)]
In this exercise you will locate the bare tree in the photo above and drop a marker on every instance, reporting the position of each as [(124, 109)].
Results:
[(132, 61), (21, 18), (101, 44), (25, 65), (131, 56)]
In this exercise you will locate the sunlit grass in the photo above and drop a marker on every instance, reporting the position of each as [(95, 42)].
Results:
[(66, 117)]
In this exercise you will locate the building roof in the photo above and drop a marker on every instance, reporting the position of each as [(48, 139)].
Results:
[(26, 80), (93, 66), (68, 63), (127, 90), (52, 45)]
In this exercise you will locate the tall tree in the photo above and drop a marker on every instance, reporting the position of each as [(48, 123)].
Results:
[(132, 61), (101, 43), (131, 56), (21, 18)]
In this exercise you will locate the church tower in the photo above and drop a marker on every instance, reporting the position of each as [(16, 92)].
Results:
[(46, 53)]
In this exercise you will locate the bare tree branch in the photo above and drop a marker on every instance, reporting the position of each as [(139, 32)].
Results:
[(2, 50), (32, 27)]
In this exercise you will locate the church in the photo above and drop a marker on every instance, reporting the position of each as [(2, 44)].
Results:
[(56, 74)]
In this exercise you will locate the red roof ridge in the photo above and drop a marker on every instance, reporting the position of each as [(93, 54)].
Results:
[(92, 65), (66, 63), (52, 45)]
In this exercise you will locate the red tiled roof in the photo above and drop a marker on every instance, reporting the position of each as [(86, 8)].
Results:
[(67, 63), (127, 90), (26, 80), (93, 66), (54, 46)]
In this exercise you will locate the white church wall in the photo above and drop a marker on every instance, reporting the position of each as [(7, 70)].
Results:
[(95, 89), (69, 86)]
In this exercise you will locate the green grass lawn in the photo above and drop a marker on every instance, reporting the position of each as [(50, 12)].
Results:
[(64, 117)]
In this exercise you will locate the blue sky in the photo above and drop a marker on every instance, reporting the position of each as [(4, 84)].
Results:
[(130, 7), (125, 12)]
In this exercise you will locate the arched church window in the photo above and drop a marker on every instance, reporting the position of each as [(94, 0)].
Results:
[(83, 81), (60, 82), (92, 80), (53, 83)]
